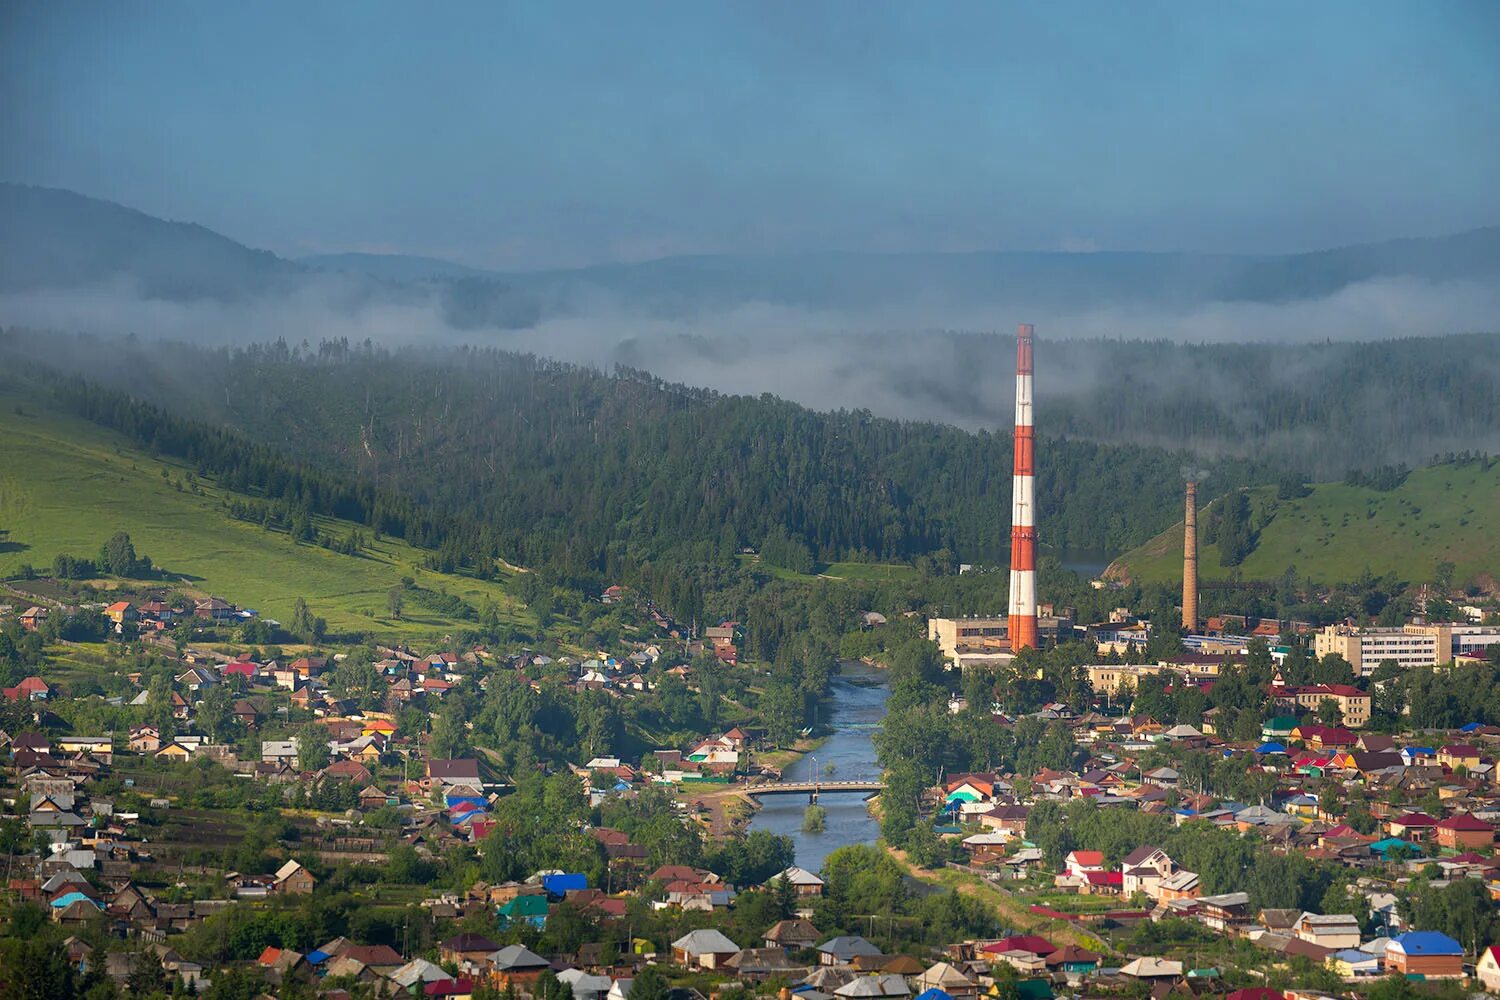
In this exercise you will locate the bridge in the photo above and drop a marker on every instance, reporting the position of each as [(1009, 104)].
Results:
[(812, 788)]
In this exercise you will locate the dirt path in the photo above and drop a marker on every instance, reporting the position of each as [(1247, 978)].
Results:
[(1012, 911), (728, 810)]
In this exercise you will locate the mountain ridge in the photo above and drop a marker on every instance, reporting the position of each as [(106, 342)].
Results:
[(54, 238)]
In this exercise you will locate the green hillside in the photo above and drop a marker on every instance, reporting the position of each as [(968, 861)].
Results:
[(1444, 513), (67, 485)]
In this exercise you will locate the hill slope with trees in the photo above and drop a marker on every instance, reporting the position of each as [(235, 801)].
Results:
[(1406, 525)]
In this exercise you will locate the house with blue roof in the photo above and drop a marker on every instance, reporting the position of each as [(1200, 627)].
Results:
[(1425, 954), (1395, 847)]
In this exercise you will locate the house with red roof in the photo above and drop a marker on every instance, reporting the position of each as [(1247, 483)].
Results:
[(1030, 943), (1080, 863), (1102, 883), (1463, 832), (31, 689), (1414, 826)]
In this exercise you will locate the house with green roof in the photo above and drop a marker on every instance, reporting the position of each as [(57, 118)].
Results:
[(1278, 727), (524, 909)]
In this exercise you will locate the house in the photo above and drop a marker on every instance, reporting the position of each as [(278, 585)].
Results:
[(1010, 820), (121, 613), (471, 948), (1028, 946), (442, 774), (1143, 869), (1073, 960), (527, 909), (1352, 963), (1413, 826), (1429, 954), (293, 878), (1487, 969), (1456, 755), (247, 669), (32, 618), (1227, 913), (949, 980), (1181, 884), (381, 959), (844, 950), (145, 739), (1331, 930), (30, 689), (703, 949), (515, 965), (1080, 863), (279, 751), (1152, 968), (760, 964), (173, 751), (884, 987), (213, 609), (792, 935), (350, 770), (1462, 832), (803, 882)]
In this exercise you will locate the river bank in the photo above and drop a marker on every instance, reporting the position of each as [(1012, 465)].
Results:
[(856, 707)]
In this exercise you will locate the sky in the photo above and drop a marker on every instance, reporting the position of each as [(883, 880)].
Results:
[(528, 136)]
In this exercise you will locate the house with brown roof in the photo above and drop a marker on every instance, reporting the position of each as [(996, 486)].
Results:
[(441, 774), (1456, 755), (792, 935), (294, 879)]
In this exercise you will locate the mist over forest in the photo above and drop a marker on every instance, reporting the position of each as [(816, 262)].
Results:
[(1316, 360)]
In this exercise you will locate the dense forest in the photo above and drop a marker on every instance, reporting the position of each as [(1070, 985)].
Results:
[(496, 454), (1319, 408)]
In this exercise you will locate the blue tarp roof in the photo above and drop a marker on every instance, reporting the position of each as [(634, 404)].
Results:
[(317, 957), (63, 902), (1270, 747), (569, 881), (933, 994)]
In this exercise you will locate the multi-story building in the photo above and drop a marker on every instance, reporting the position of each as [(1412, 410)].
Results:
[(978, 641), (1408, 646), (1354, 704), (969, 635), (1366, 648)]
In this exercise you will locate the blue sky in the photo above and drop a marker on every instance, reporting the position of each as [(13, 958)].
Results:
[(536, 135)]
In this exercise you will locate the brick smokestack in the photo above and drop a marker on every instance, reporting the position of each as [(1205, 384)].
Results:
[(1190, 560), (1023, 506)]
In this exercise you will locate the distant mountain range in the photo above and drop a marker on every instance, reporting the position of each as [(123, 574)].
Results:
[(54, 239)]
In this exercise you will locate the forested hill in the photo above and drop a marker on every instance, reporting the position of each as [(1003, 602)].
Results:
[(552, 464), (1319, 408), (1405, 525)]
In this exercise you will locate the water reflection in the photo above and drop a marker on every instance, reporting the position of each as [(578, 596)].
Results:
[(856, 707)]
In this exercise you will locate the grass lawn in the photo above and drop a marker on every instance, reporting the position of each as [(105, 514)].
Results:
[(66, 486), (1444, 513)]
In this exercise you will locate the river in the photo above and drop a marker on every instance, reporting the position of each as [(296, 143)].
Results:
[(856, 707)]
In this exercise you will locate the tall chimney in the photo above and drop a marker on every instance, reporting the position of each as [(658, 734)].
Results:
[(1023, 506), (1190, 560)]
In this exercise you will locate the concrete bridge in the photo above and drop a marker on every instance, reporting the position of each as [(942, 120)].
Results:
[(812, 788)]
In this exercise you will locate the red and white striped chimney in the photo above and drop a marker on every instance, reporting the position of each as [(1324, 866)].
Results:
[(1023, 506)]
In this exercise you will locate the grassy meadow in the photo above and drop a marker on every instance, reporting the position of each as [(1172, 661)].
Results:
[(1445, 513), (67, 485)]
